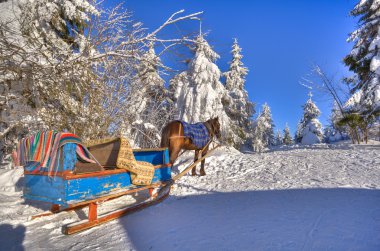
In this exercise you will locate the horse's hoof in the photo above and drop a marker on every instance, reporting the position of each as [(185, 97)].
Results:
[(193, 174), (202, 174)]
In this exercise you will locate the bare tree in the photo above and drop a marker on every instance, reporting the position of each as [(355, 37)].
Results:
[(357, 125)]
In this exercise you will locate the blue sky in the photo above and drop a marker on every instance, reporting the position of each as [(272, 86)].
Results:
[(281, 40)]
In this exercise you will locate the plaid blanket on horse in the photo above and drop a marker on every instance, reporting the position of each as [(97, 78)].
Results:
[(198, 133)]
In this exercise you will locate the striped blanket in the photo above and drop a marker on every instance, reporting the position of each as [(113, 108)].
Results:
[(198, 133), (42, 151)]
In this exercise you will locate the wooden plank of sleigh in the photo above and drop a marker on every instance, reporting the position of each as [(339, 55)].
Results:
[(55, 208), (95, 220)]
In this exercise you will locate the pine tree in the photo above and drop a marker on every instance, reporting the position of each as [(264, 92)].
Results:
[(309, 129), (279, 139), (197, 92), (287, 140), (147, 96), (235, 77), (263, 135), (365, 55), (236, 102), (269, 131), (257, 139)]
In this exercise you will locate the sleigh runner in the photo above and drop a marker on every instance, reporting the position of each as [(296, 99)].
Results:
[(88, 176)]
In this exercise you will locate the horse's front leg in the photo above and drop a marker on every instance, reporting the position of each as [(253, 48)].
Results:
[(174, 152), (194, 170), (202, 171)]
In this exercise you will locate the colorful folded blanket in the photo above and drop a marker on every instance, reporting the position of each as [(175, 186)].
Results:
[(43, 150)]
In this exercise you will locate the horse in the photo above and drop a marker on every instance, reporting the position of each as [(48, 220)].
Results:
[(173, 138)]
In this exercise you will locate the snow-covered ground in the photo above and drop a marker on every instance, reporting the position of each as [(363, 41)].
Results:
[(324, 197)]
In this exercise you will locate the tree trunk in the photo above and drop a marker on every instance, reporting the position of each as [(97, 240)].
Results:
[(357, 134), (352, 135)]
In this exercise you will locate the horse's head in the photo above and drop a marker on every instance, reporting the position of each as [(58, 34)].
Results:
[(215, 125)]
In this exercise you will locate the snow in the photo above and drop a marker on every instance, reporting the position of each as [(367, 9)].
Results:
[(353, 102), (9, 10), (311, 133), (9, 180), (290, 198), (310, 138)]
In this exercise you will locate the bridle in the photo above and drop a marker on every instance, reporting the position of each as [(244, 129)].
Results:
[(211, 128), (208, 129)]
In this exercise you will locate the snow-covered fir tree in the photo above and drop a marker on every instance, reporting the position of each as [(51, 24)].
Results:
[(364, 58), (263, 134), (147, 99), (38, 37), (197, 92), (279, 138), (287, 139), (236, 102), (235, 77), (309, 129)]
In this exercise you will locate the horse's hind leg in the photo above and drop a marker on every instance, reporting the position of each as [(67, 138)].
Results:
[(202, 171), (194, 170)]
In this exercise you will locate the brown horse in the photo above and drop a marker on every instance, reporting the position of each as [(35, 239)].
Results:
[(173, 138)]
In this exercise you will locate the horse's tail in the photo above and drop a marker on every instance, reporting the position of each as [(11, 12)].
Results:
[(165, 137)]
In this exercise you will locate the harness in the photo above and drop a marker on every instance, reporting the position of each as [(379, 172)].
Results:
[(210, 129)]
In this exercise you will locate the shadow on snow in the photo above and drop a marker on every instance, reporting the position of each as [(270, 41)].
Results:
[(299, 219), (12, 237)]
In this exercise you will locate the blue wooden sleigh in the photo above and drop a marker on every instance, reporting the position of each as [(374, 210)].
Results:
[(77, 185)]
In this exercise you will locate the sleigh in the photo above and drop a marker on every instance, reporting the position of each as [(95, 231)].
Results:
[(76, 185)]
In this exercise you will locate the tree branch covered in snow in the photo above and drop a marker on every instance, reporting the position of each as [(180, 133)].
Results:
[(364, 58), (72, 64)]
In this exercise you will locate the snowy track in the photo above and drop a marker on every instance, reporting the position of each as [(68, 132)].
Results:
[(322, 198), (322, 166)]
